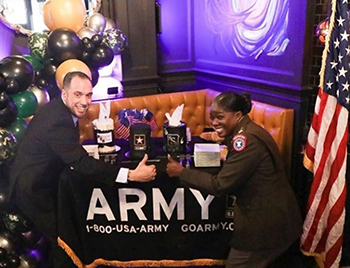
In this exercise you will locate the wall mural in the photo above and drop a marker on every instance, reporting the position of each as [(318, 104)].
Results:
[(249, 28)]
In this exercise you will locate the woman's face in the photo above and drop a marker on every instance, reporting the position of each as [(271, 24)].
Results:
[(224, 122)]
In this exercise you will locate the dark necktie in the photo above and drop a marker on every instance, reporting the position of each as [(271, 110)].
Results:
[(77, 129)]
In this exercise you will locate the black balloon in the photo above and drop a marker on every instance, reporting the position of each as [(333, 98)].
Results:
[(3, 254), (2, 83), (64, 44), (18, 69), (4, 202), (34, 254), (11, 86), (4, 264), (30, 238), (13, 261), (88, 44), (102, 56), (37, 74), (42, 83), (8, 115), (4, 100), (94, 76), (53, 90), (49, 71), (85, 57), (96, 39), (43, 246)]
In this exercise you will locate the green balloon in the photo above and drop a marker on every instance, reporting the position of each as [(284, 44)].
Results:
[(26, 103), (38, 45), (36, 64), (8, 145), (16, 222), (18, 128)]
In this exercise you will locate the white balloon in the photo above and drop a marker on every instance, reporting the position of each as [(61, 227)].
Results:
[(41, 95), (86, 32), (110, 24), (97, 22), (6, 243)]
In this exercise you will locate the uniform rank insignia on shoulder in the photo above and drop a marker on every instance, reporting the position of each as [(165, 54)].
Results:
[(239, 142)]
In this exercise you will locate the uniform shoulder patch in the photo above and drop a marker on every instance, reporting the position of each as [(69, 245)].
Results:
[(239, 142)]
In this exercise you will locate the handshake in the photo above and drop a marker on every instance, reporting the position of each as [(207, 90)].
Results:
[(146, 173)]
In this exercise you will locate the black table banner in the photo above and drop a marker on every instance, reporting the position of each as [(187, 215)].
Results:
[(159, 223)]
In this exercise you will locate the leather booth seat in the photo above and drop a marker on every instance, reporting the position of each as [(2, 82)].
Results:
[(276, 120)]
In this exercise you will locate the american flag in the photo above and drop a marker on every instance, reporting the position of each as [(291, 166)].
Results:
[(128, 117), (123, 127), (326, 148), (151, 122), (123, 132)]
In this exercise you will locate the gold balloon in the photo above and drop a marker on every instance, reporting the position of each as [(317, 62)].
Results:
[(68, 14), (86, 32), (97, 22), (47, 18), (70, 66), (41, 95)]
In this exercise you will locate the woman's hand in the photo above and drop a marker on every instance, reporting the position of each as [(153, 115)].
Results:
[(211, 136), (173, 168)]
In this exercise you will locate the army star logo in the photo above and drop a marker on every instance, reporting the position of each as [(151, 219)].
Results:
[(139, 139), (239, 142)]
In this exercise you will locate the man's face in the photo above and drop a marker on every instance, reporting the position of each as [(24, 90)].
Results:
[(77, 96)]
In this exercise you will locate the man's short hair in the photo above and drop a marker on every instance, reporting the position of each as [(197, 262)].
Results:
[(70, 75)]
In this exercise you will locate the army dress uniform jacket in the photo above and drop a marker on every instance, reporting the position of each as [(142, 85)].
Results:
[(266, 213)]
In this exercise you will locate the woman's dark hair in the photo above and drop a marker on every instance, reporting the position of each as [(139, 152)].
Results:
[(233, 102)]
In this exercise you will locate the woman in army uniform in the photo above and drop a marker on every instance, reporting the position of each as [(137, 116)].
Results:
[(267, 219)]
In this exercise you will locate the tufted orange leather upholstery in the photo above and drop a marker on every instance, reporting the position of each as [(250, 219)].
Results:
[(195, 106), (276, 120)]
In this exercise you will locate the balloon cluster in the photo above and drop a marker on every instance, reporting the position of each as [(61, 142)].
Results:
[(27, 82), (73, 44), (19, 99), (21, 245)]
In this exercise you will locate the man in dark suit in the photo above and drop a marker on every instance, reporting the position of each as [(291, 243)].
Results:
[(51, 144)]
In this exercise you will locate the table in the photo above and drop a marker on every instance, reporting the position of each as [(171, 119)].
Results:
[(160, 223)]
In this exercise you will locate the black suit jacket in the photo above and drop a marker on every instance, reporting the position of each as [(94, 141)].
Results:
[(49, 145), (266, 213)]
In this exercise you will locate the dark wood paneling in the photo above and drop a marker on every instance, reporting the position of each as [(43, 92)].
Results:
[(136, 18)]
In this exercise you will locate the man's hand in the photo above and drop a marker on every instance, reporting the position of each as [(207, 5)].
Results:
[(143, 172), (173, 168)]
